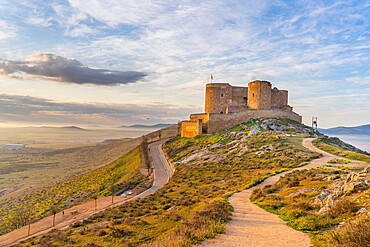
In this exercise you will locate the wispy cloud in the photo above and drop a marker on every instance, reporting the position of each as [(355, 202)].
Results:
[(7, 30), (16, 108), (66, 70)]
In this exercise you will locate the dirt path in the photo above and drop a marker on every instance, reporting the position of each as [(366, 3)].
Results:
[(162, 174), (253, 226)]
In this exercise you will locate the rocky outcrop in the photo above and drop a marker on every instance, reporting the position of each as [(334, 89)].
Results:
[(255, 130)]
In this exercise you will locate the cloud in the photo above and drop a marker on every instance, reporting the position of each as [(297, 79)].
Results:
[(66, 70), (27, 109), (7, 30)]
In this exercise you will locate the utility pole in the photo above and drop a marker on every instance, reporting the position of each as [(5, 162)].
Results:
[(314, 126)]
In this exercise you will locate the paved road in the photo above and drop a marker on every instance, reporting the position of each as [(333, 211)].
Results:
[(161, 169), (253, 226), (162, 174)]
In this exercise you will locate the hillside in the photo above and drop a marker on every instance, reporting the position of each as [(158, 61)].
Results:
[(336, 146), (341, 130), (193, 205), (122, 172)]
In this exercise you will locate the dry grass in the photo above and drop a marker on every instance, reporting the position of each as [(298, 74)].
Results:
[(354, 234)]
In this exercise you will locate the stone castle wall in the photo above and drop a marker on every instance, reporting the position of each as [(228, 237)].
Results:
[(191, 128), (279, 98), (259, 95), (218, 122), (218, 97), (227, 106)]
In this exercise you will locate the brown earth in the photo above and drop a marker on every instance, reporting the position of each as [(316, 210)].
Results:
[(253, 226), (162, 174)]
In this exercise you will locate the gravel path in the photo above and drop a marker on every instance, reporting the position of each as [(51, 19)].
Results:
[(253, 226), (162, 174)]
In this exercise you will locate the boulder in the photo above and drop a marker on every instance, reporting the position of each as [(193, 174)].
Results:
[(318, 200), (255, 130)]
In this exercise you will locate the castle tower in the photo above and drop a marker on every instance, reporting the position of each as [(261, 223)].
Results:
[(218, 97), (259, 95)]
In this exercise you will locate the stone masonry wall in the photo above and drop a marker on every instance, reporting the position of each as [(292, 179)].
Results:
[(218, 122), (259, 95), (191, 128), (218, 97)]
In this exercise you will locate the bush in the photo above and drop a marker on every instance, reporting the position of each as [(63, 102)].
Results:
[(354, 234), (256, 194), (312, 223), (342, 207)]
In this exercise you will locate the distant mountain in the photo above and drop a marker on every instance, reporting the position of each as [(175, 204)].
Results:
[(142, 126), (359, 130), (55, 127)]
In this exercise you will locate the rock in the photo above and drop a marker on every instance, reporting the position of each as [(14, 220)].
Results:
[(240, 134), (255, 130), (231, 135), (196, 156), (268, 148), (245, 138), (361, 210), (318, 200), (351, 177), (232, 144), (351, 186), (243, 151), (260, 153), (366, 170), (327, 203), (302, 191), (333, 177), (215, 146), (359, 186)]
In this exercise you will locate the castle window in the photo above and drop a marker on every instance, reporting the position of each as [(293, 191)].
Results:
[(222, 94), (222, 112), (253, 94)]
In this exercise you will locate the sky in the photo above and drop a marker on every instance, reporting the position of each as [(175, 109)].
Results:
[(112, 63)]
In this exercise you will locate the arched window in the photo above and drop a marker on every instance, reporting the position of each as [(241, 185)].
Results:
[(222, 94), (222, 112), (253, 94)]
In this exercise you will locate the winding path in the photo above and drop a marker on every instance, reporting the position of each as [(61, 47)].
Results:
[(253, 226), (162, 174)]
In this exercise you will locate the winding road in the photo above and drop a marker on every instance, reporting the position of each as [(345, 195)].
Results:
[(253, 226), (162, 174)]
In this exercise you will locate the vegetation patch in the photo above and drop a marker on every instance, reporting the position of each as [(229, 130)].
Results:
[(193, 205), (317, 201), (335, 146), (70, 192)]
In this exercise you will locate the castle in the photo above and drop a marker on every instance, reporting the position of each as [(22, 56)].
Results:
[(227, 106)]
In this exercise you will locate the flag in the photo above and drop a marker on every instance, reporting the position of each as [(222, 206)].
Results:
[(211, 77)]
